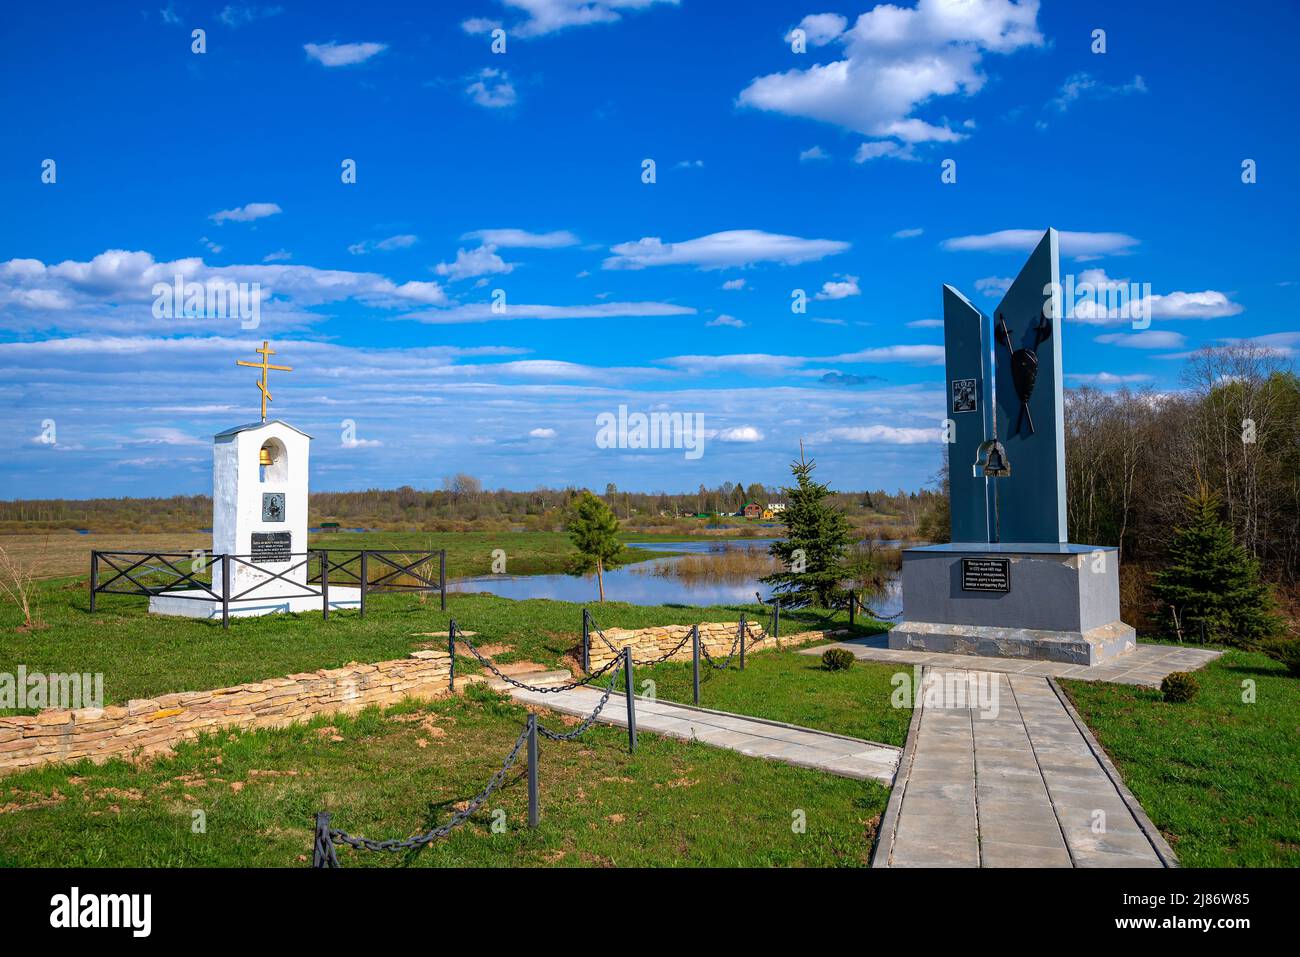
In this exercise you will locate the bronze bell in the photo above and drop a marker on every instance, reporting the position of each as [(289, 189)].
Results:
[(991, 460), (264, 456)]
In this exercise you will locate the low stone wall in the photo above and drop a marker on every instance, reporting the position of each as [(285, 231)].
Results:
[(152, 725), (715, 637)]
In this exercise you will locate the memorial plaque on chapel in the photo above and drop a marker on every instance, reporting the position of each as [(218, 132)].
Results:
[(273, 506), (272, 546), (986, 574)]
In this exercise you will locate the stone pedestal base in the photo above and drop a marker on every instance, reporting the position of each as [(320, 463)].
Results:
[(1060, 603), (201, 606)]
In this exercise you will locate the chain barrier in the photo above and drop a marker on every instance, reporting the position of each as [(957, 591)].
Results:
[(643, 664), (874, 614), (587, 722), (526, 687), (731, 654), (327, 837)]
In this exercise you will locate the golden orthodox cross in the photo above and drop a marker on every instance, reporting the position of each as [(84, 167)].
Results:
[(264, 365)]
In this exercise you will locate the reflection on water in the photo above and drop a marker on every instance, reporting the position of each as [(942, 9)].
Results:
[(654, 583)]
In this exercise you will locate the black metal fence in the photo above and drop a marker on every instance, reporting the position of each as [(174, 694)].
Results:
[(207, 576)]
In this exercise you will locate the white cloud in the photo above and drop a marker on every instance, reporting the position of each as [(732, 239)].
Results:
[(491, 88), (1106, 378), (1284, 344), (548, 16), (732, 285), (1148, 339), (839, 288), (482, 261), (477, 25), (246, 214), (813, 153), (994, 286), (726, 320), (879, 435), (1103, 301), (482, 312), (1078, 245), (343, 54), (909, 233), (894, 60), (736, 247), (542, 433), (522, 238), (740, 433), (280, 255), (1081, 85), (402, 241), (919, 355), (235, 16), (876, 149), (689, 164), (925, 324)]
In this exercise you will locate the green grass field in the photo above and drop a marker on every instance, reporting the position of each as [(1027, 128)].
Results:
[(1219, 776), (394, 774), (787, 686), (141, 655)]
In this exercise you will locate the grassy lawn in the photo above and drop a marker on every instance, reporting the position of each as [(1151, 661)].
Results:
[(1219, 777), (795, 688), (404, 771), (142, 655)]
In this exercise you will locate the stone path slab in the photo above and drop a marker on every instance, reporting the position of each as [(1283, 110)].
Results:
[(999, 772), (803, 747), (1145, 665)]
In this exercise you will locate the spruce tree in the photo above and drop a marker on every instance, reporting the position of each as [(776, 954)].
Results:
[(816, 537), (1210, 580), (593, 528)]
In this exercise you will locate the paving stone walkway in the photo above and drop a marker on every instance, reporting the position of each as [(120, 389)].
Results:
[(1144, 665), (804, 747), (999, 773)]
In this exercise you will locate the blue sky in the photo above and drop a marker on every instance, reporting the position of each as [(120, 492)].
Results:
[(522, 171)]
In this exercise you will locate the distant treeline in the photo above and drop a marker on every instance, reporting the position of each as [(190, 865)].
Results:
[(462, 504)]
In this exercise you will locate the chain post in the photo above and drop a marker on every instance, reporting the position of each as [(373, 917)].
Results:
[(776, 618), (631, 699), (325, 586), (323, 854), (451, 651), (225, 591), (695, 662), (532, 770), (853, 608), (743, 629), (586, 641), (442, 578), (94, 576)]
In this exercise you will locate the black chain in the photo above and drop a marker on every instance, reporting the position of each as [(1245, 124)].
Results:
[(586, 722), (519, 684), (644, 664), (419, 840), (726, 664)]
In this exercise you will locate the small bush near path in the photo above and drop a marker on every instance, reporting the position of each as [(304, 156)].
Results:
[(837, 659)]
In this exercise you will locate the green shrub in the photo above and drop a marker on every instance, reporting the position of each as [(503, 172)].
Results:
[(1286, 651), (1179, 686), (837, 659)]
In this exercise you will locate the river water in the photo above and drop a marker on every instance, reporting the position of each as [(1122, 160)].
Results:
[(646, 583)]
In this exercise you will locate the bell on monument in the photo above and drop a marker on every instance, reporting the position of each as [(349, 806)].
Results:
[(264, 456), (991, 460)]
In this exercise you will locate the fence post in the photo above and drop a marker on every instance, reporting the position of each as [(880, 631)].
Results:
[(776, 618), (365, 577), (94, 576), (323, 847), (743, 629), (442, 577), (532, 770), (225, 591), (586, 641), (325, 585), (695, 661), (631, 699), (451, 650), (853, 608)]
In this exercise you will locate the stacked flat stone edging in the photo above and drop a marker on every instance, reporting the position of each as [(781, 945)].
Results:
[(148, 726), (715, 637)]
